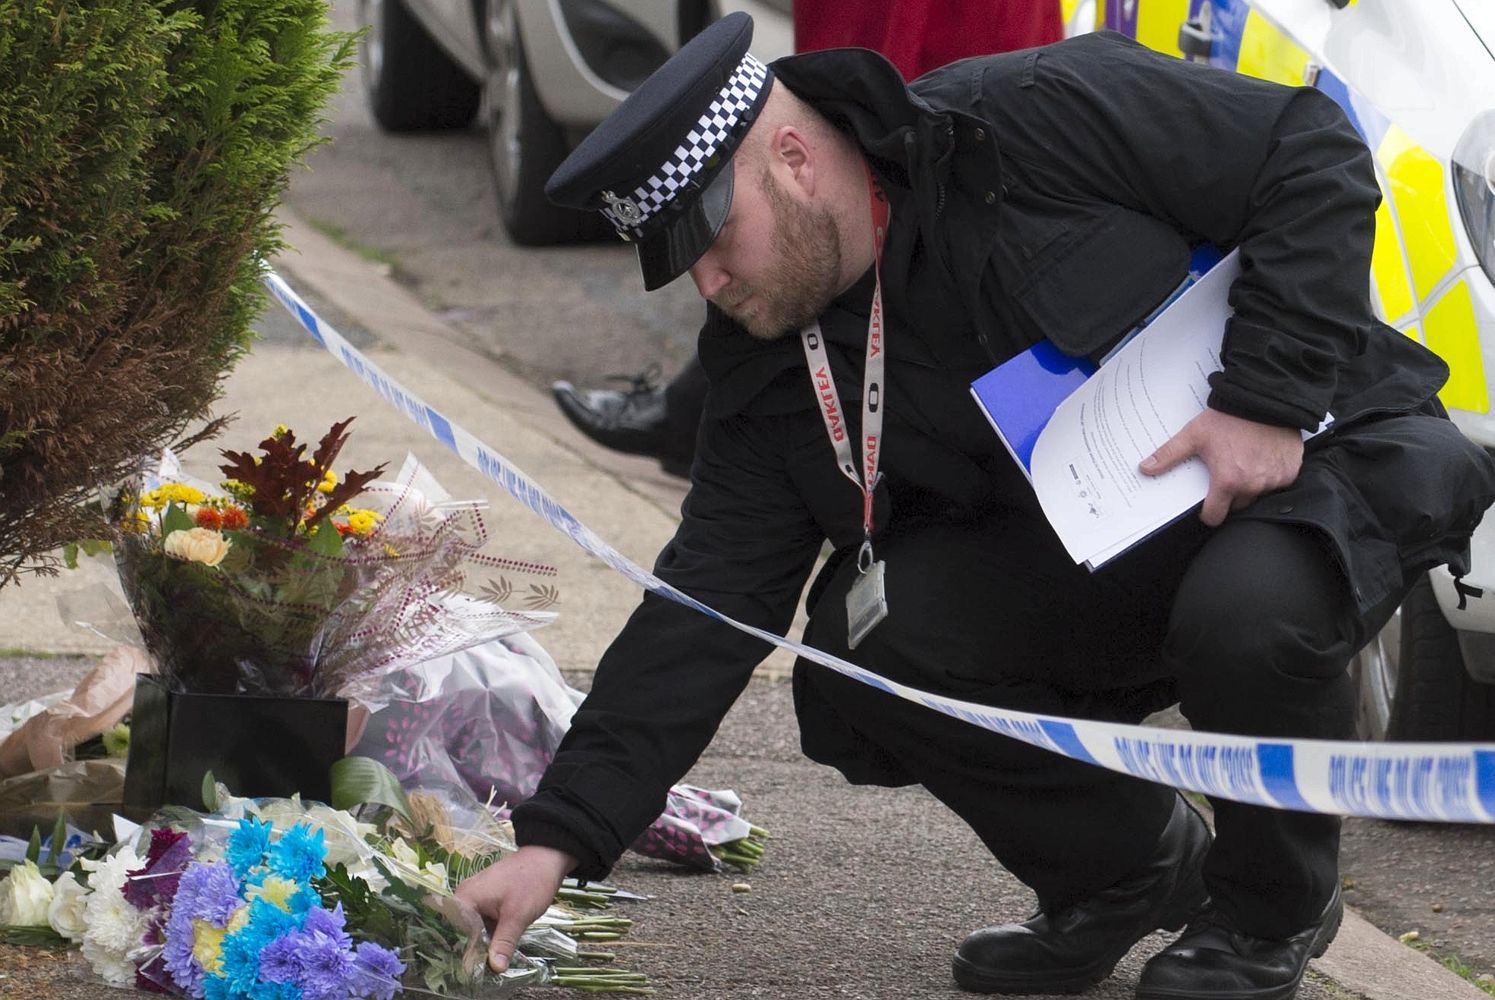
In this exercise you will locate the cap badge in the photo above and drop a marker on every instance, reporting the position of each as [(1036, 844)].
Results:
[(625, 210)]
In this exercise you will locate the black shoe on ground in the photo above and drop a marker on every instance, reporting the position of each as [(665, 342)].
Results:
[(635, 421), (1073, 949), (1214, 960)]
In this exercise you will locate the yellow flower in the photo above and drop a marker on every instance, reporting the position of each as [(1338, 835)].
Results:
[(276, 891), (281, 430), (239, 920), (166, 493), (202, 545), (237, 489), (363, 522), (182, 493), (328, 483), (207, 945)]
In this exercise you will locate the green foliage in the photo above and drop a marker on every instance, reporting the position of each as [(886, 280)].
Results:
[(84, 546), (144, 145), (402, 917), (358, 781)]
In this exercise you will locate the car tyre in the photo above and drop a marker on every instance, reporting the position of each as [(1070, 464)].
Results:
[(412, 85), (1427, 693), (524, 144)]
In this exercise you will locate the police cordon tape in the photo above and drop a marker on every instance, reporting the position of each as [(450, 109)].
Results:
[(1441, 782)]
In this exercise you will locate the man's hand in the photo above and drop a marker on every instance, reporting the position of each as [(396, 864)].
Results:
[(512, 894), (1245, 459)]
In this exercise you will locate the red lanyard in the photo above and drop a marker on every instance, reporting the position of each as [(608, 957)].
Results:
[(872, 377)]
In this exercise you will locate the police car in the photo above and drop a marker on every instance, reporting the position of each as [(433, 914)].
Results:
[(1417, 78)]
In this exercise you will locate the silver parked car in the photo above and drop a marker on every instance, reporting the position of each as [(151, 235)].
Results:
[(542, 73)]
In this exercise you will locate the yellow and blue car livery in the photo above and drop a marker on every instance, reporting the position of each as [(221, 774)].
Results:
[(1417, 79)]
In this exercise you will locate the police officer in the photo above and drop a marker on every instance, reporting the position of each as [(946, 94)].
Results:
[(867, 250)]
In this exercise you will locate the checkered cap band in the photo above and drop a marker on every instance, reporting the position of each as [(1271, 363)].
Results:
[(701, 143)]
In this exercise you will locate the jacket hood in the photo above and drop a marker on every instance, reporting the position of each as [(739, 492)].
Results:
[(864, 94)]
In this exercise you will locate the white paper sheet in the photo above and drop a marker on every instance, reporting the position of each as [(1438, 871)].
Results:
[(1085, 462)]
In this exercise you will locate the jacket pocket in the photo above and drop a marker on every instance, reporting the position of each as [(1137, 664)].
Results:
[(1086, 281), (1396, 496)]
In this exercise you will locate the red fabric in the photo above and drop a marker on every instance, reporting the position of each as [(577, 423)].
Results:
[(919, 35)]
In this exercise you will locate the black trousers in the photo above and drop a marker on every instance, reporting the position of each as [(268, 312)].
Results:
[(1249, 627)]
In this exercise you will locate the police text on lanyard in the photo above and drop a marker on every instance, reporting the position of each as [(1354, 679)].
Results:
[(866, 601)]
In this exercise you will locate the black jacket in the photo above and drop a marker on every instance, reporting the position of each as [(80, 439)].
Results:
[(1052, 192)]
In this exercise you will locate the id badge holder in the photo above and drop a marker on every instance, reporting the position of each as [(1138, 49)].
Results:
[(867, 600)]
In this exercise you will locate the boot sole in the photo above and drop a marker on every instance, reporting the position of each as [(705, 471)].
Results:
[(1321, 942), (974, 979)]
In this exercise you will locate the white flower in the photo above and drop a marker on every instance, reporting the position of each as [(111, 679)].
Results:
[(68, 912), (346, 838), (407, 865), (24, 897), (115, 928), (202, 545)]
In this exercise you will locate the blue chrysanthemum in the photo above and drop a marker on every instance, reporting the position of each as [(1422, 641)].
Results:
[(268, 922), (216, 988), (241, 963), (298, 854), (247, 845), (242, 948)]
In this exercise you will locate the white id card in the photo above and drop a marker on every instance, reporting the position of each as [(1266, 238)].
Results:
[(866, 603)]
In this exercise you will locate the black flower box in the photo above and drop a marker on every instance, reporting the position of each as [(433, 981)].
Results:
[(257, 745)]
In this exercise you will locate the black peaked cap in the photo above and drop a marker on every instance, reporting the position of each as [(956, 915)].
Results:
[(657, 167)]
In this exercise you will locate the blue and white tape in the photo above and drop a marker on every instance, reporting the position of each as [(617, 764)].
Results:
[(1449, 782)]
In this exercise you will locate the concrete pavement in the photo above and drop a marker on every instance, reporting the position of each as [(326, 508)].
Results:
[(864, 892)]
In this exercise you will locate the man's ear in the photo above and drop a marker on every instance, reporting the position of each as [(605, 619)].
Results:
[(793, 158)]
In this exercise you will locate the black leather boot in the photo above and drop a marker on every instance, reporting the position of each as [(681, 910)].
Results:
[(1213, 959), (635, 421), (1073, 949)]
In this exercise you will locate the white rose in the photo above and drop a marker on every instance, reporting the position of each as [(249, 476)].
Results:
[(202, 545), (24, 897), (68, 912), (407, 865)]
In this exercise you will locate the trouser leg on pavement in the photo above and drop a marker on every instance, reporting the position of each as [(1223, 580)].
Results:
[(1262, 631)]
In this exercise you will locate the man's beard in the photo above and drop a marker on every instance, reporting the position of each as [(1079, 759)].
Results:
[(803, 276)]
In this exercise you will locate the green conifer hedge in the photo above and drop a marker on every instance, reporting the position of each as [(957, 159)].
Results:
[(144, 145)]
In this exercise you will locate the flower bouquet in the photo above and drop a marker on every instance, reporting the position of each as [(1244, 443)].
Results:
[(490, 718), (269, 599), (271, 899), (276, 584)]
